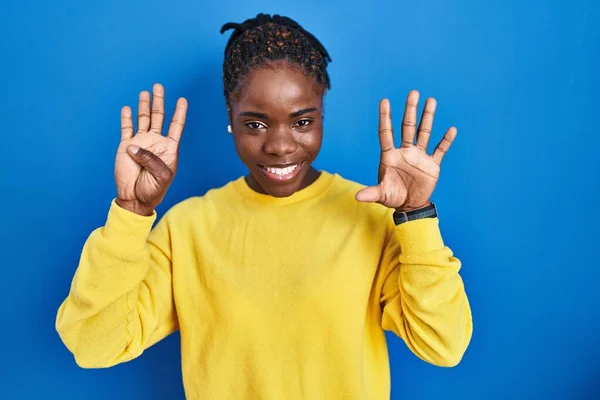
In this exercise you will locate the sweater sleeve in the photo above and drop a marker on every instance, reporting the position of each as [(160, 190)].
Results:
[(121, 299), (423, 296)]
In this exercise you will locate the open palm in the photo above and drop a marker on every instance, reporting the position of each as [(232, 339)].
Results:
[(407, 175), (147, 161)]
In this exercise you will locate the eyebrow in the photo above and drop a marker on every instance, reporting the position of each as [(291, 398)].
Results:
[(265, 116), (253, 114), (302, 112)]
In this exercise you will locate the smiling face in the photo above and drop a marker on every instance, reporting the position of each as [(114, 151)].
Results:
[(277, 126)]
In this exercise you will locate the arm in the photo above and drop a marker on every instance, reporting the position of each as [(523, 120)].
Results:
[(423, 297), (121, 299)]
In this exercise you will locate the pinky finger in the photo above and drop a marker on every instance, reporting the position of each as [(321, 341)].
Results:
[(126, 123), (444, 145)]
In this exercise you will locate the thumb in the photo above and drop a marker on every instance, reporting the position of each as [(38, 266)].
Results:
[(151, 162), (371, 194)]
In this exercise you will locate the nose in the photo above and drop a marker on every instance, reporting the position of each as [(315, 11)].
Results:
[(280, 142)]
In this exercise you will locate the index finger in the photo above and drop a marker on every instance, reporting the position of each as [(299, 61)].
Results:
[(126, 123), (386, 134), (178, 121)]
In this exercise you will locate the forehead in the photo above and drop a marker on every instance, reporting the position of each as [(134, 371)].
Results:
[(279, 88)]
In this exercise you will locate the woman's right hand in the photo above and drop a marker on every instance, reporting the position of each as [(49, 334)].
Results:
[(147, 161)]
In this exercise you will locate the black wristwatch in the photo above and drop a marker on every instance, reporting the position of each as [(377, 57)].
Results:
[(426, 212)]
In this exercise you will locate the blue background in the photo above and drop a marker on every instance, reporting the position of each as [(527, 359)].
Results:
[(517, 195)]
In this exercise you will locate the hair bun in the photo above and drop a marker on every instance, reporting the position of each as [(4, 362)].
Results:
[(264, 19), (251, 23), (266, 38)]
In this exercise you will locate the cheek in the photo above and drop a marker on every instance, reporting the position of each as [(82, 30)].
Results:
[(312, 141), (247, 146)]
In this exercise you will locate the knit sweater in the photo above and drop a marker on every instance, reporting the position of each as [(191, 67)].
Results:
[(274, 298)]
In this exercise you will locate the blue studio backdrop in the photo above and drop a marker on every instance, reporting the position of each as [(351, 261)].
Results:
[(517, 195)]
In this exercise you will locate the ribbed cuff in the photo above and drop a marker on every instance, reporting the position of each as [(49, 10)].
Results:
[(420, 236), (126, 227)]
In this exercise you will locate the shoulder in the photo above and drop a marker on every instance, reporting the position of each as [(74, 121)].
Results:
[(209, 202), (372, 220), (344, 191)]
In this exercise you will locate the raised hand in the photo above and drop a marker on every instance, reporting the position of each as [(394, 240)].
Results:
[(147, 161), (407, 175)]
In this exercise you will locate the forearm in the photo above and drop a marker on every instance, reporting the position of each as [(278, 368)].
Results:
[(109, 314), (434, 313)]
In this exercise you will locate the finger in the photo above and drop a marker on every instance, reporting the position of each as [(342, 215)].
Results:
[(152, 163), (409, 122), (126, 123), (444, 145), (158, 108), (386, 134), (426, 124), (178, 121), (371, 194), (144, 112)]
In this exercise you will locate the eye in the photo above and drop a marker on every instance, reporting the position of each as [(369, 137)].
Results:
[(303, 123), (254, 125)]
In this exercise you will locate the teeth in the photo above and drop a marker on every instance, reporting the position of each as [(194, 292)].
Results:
[(282, 171)]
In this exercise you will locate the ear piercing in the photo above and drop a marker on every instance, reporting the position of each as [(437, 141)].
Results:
[(229, 129)]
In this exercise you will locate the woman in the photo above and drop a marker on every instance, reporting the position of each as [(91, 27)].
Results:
[(282, 282)]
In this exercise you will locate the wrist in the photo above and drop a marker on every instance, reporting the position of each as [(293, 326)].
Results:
[(408, 209), (135, 206), (400, 217)]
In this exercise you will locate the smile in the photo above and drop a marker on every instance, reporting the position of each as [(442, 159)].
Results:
[(281, 174)]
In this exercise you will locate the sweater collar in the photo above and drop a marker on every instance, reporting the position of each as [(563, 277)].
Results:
[(310, 192)]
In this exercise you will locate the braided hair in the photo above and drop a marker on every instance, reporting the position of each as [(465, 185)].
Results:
[(267, 40)]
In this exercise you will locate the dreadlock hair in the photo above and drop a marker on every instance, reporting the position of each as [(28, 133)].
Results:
[(267, 40)]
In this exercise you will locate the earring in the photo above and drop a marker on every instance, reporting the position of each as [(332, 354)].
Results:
[(229, 129)]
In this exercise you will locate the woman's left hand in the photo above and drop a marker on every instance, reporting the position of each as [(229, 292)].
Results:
[(407, 175)]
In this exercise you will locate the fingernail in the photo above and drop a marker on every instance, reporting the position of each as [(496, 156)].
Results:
[(133, 149)]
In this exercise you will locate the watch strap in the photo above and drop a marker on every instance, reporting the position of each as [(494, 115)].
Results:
[(425, 212)]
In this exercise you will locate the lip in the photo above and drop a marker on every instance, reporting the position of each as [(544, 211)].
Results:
[(281, 178)]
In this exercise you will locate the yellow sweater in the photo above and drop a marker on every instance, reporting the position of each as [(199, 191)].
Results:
[(274, 298)]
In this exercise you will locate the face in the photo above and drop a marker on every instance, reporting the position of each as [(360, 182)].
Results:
[(278, 128)]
